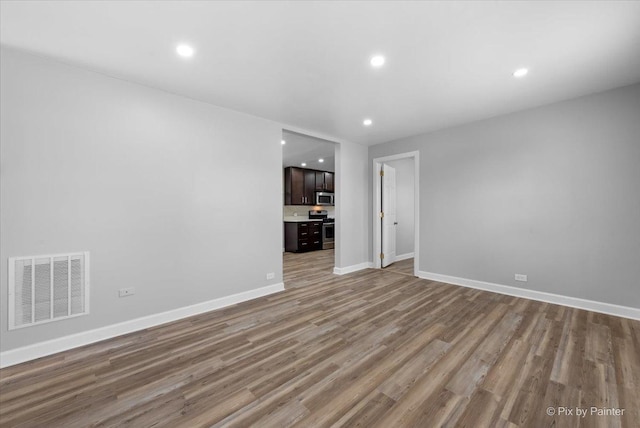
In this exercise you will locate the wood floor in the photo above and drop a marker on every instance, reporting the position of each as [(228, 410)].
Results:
[(402, 266), (371, 349), (302, 269)]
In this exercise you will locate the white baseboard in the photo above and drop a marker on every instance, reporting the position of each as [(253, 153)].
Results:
[(352, 268), (42, 349), (404, 256), (558, 299)]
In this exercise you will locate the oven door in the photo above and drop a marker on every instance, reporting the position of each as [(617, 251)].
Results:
[(328, 240)]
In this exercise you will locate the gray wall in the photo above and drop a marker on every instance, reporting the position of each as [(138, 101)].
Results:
[(163, 190), (551, 192), (405, 234), (351, 205)]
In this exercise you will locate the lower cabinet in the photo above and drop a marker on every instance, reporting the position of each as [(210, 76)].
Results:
[(302, 236)]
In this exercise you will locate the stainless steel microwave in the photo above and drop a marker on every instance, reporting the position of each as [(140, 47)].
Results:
[(324, 198)]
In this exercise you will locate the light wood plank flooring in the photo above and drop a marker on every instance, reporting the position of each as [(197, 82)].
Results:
[(402, 266), (301, 269), (373, 349)]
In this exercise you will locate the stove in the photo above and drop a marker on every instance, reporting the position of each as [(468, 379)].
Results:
[(328, 227)]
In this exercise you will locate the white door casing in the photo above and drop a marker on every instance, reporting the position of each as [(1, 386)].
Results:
[(377, 207), (389, 219)]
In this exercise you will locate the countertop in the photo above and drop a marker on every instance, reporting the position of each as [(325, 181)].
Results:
[(299, 219)]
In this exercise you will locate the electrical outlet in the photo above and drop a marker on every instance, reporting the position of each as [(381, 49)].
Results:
[(521, 277), (124, 292), (271, 275)]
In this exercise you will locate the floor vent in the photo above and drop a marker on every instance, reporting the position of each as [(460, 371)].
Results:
[(47, 288)]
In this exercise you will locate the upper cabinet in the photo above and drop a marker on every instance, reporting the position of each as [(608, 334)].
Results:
[(300, 185), (309, 187), (324, 181)]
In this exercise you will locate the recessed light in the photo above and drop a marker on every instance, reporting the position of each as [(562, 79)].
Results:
[(283, 142), (303, 164), (521, 72), (377, 61), (185, 51), (367, 122), (320, 160)]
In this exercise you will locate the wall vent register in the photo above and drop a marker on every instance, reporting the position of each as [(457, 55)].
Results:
[(47, 288)]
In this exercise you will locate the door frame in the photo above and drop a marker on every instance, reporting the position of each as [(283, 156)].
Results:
[(377, 207), (337, 175)]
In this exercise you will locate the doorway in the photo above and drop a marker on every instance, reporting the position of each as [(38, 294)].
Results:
[(309, 215), (396, 211)]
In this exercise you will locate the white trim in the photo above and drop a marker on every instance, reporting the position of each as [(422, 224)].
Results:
[(404, 256), (352, 268), (558, 299), (37, 350), (12, 294), (377, 162), (87, 282), (47, 256)]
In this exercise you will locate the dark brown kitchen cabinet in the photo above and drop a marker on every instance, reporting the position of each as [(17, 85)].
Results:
[(299, 186), (319, 181), (303, 236), (324, 181), (309, 187)]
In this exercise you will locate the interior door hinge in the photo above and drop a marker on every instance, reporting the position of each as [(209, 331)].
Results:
[(381, 255), (381, 173), (381, 214)]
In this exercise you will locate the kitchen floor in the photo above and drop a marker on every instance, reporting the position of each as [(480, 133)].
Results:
[(301, 269)]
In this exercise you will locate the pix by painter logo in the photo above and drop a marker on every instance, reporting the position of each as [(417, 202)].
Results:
[(582, 412)]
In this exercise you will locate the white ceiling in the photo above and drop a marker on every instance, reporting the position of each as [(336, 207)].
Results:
[(302, 148), (306, 64)]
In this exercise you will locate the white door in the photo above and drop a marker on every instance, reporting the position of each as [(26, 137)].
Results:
[(389, 220)]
